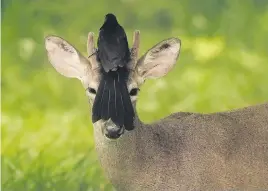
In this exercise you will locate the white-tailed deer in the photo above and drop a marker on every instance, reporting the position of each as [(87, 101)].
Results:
[(184, 151)]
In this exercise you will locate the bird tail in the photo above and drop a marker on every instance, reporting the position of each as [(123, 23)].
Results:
[(112, 100)]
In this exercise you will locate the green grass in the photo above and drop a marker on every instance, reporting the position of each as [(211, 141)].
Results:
[(47, 135), (53, 151)]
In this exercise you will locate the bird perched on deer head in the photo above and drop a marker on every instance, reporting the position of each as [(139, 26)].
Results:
[(112, 100)]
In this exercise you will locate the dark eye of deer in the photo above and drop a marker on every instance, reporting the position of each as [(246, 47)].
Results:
[(134, 91), (91, 90)]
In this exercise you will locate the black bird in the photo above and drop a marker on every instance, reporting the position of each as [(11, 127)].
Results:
[(113, 50), (112, 99)]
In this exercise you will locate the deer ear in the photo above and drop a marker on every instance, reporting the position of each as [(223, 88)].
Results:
[(160, 59), (65, 58)]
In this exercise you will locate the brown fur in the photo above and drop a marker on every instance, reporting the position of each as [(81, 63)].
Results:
[(190, 151)]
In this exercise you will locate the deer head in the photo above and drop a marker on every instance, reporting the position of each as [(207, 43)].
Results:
[(69, 62)]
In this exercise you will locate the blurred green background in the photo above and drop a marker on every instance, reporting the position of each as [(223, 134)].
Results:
[(47, 140)]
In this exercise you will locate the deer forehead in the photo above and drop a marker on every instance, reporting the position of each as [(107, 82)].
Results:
[(135, 80), (92, 79)]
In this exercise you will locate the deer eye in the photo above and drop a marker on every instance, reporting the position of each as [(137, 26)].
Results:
[(134, 91), (91, 90)]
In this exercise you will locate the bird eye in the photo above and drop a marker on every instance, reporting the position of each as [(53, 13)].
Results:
[(134, 91), (91, 90)]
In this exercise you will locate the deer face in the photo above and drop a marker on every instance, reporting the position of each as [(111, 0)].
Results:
[(69, 62)]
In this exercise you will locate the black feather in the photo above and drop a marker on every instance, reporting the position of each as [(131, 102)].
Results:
[(119, 101), (113, 101), (128, 109), (105, 102), (113, 112), (96, 115)]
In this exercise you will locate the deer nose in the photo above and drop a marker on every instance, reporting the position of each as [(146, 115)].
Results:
[(112, 131)]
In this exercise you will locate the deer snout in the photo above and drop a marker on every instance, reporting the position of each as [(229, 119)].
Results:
[(113, 131)]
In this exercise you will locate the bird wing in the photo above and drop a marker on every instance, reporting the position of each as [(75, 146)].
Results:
[(113, 50)]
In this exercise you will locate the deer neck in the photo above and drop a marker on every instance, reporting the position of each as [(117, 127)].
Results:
[(116, 156)]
